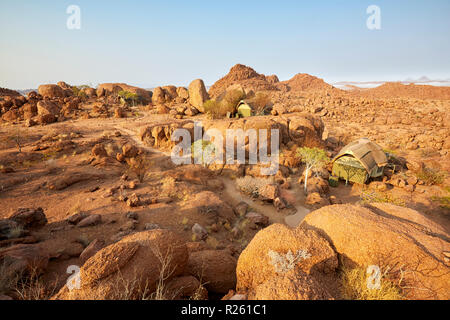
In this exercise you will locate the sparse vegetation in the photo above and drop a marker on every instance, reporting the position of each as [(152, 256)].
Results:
[(260, 103), (431, 176), (251, 185), (32, 287), (216, 109), (314, 159), (369, 196), (166, 270), (285, 262), (444, 202), (128, 98), (29, 286), (354, 286), (203, 152), (78, 91)]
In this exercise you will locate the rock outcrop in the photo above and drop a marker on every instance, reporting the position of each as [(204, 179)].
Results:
[(134, 263), (389, 236), (198, 94)]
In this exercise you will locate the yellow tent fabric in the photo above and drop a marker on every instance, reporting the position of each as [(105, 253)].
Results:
[(367, 152), (243, 109)]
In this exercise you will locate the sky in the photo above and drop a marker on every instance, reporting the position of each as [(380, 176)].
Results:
[(152, 43)]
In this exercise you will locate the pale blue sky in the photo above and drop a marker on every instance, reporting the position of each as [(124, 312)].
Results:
[(150, 43)]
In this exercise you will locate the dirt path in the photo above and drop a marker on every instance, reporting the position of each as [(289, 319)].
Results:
[(269, 210)]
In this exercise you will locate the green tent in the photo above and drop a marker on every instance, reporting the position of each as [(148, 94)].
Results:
[(359, 160)]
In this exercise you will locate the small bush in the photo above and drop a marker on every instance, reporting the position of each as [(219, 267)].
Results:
[(251, 185), (260, 103), (128, 98), (283, 263), (78, 91), (203, 151), (232, 98), (430, 176), (217, 109)]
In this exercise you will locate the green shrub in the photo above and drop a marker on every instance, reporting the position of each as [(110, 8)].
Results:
[(314, 159), (129, 98), (333, 181), (78, 91)]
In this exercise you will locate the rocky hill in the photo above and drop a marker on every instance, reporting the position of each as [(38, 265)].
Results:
[(247, 78), (306, 82), (8, 92)]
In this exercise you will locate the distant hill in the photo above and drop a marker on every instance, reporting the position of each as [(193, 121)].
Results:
[(400, 90), (307, 82)]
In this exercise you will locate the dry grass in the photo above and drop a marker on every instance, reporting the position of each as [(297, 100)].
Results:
[(32, 287), (251, 185), (431, 176), (29, 286), (7, 281), (370, 196), (217, 109), (166, 271), (444, 202), (354, 286), (260, 103)]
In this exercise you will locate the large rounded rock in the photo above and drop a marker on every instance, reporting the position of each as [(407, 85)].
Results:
[(171, 92), (114, 88), (292, 286), (47, 107), (389, 236), (11, 115), (211, 206), (135, 263), (159, 96), (198, 94), (183, 93), (278, 249), (51, 91), (216, 268)]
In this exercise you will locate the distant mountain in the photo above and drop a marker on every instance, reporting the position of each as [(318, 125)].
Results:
[(24, 92), (349, 85)]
